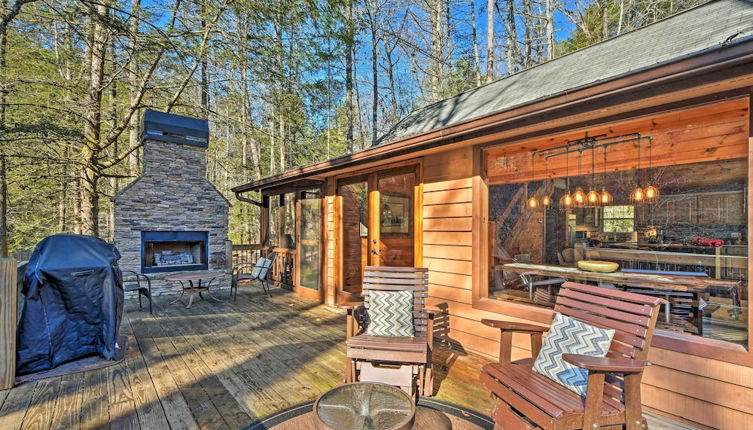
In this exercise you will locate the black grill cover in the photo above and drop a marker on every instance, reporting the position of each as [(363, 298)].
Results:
[(73, 293)]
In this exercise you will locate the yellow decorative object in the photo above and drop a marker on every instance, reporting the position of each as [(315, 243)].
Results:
[(598, 266)]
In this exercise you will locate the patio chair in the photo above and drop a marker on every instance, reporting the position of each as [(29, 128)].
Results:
[(252, 272), (404, 361), (140, 283), (527, 399)]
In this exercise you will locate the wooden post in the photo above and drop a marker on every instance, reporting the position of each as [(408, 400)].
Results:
[(8, 306)]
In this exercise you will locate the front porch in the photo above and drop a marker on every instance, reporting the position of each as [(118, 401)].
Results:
[(220, 366)]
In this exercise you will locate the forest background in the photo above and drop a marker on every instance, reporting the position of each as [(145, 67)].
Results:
[(284, 83)]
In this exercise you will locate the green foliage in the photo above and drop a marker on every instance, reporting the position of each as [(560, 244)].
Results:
[(276, 74)]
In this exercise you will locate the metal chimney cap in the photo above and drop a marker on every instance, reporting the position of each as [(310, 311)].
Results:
[(168, 127)]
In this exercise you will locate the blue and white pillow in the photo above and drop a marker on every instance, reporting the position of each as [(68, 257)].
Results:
[(390, 313), (570, 336)]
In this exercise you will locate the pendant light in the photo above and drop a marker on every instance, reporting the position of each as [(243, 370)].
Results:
[(532, 202), (605, 198), (652, 193), (592, 198), (546, 201), (579, 195), (567, 202), (638, 195)]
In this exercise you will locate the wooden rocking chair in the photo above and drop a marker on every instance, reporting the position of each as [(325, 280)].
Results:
[(396, 361), (525, 399)]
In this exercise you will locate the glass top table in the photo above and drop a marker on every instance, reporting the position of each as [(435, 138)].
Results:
[(365, 406)]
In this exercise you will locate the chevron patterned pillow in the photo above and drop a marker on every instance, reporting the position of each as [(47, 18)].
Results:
[(569, 336), (390, 313)]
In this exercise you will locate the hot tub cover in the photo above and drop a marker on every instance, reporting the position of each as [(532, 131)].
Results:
[(73, 292)]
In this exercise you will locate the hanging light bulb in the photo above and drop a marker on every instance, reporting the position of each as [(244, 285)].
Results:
[(605, 198), (652, 193), (638, 195), (532, 202), (592, 198), (567, 202), (579, 195), (546, 201)]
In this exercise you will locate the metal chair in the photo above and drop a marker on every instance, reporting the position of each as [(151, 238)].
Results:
[(258, 272), (140, 283)]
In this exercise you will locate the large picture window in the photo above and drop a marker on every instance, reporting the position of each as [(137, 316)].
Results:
[(689, 245)]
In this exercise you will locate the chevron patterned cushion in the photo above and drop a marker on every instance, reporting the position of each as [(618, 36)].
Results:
[(390, 313), (569, 336)]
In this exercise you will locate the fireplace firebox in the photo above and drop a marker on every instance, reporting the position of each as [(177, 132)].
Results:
[(172, 251)]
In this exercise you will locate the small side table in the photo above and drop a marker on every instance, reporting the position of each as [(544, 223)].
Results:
[(191, 283), (365, 406)]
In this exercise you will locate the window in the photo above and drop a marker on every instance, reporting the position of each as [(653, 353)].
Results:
[(619, 219), (310, 246), (689, 247), (288, 222)]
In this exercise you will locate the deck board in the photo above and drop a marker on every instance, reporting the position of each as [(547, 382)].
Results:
[(220, 366)]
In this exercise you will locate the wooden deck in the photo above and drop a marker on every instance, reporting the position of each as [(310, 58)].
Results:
[(219, 366)]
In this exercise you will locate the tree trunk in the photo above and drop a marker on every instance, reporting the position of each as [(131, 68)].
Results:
[(528, 43), (374, 71), (490, 41), (349, 46), (282, 88), (133, 83), (435, 74), (88, 174), (246, 111), (512, 41), (4, 233), (476, 56), (604, 4), (549, 30), (204, 69), (112, 120)]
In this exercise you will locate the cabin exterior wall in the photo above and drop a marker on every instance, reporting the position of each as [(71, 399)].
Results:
[(703, 390)]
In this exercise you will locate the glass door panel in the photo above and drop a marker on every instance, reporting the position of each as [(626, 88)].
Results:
[(355, 233), (310, 243), (396, 219)]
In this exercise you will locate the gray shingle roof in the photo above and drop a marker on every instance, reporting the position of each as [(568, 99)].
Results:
[(691, 32)]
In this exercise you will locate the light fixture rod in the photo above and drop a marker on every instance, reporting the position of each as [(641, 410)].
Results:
[(590, 143)]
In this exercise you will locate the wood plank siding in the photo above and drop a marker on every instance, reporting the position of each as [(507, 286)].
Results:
[(703, 390)]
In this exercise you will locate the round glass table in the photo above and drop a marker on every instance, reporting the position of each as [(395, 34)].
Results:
[(365, 406)]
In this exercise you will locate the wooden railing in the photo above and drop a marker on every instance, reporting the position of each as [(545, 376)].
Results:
[(283, 269), (246, 253)]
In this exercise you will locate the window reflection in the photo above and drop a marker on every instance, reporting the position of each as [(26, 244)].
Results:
[(689, 247)]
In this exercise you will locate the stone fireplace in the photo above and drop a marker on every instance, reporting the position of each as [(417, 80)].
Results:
[(172, 218)]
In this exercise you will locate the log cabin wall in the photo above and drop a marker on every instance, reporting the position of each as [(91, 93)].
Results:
[(702, 390)]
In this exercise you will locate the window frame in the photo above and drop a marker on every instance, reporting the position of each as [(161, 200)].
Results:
[(676, 342)]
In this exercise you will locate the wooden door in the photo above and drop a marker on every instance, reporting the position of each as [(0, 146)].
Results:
[(377, 213), (395, 243), (354, 234)]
